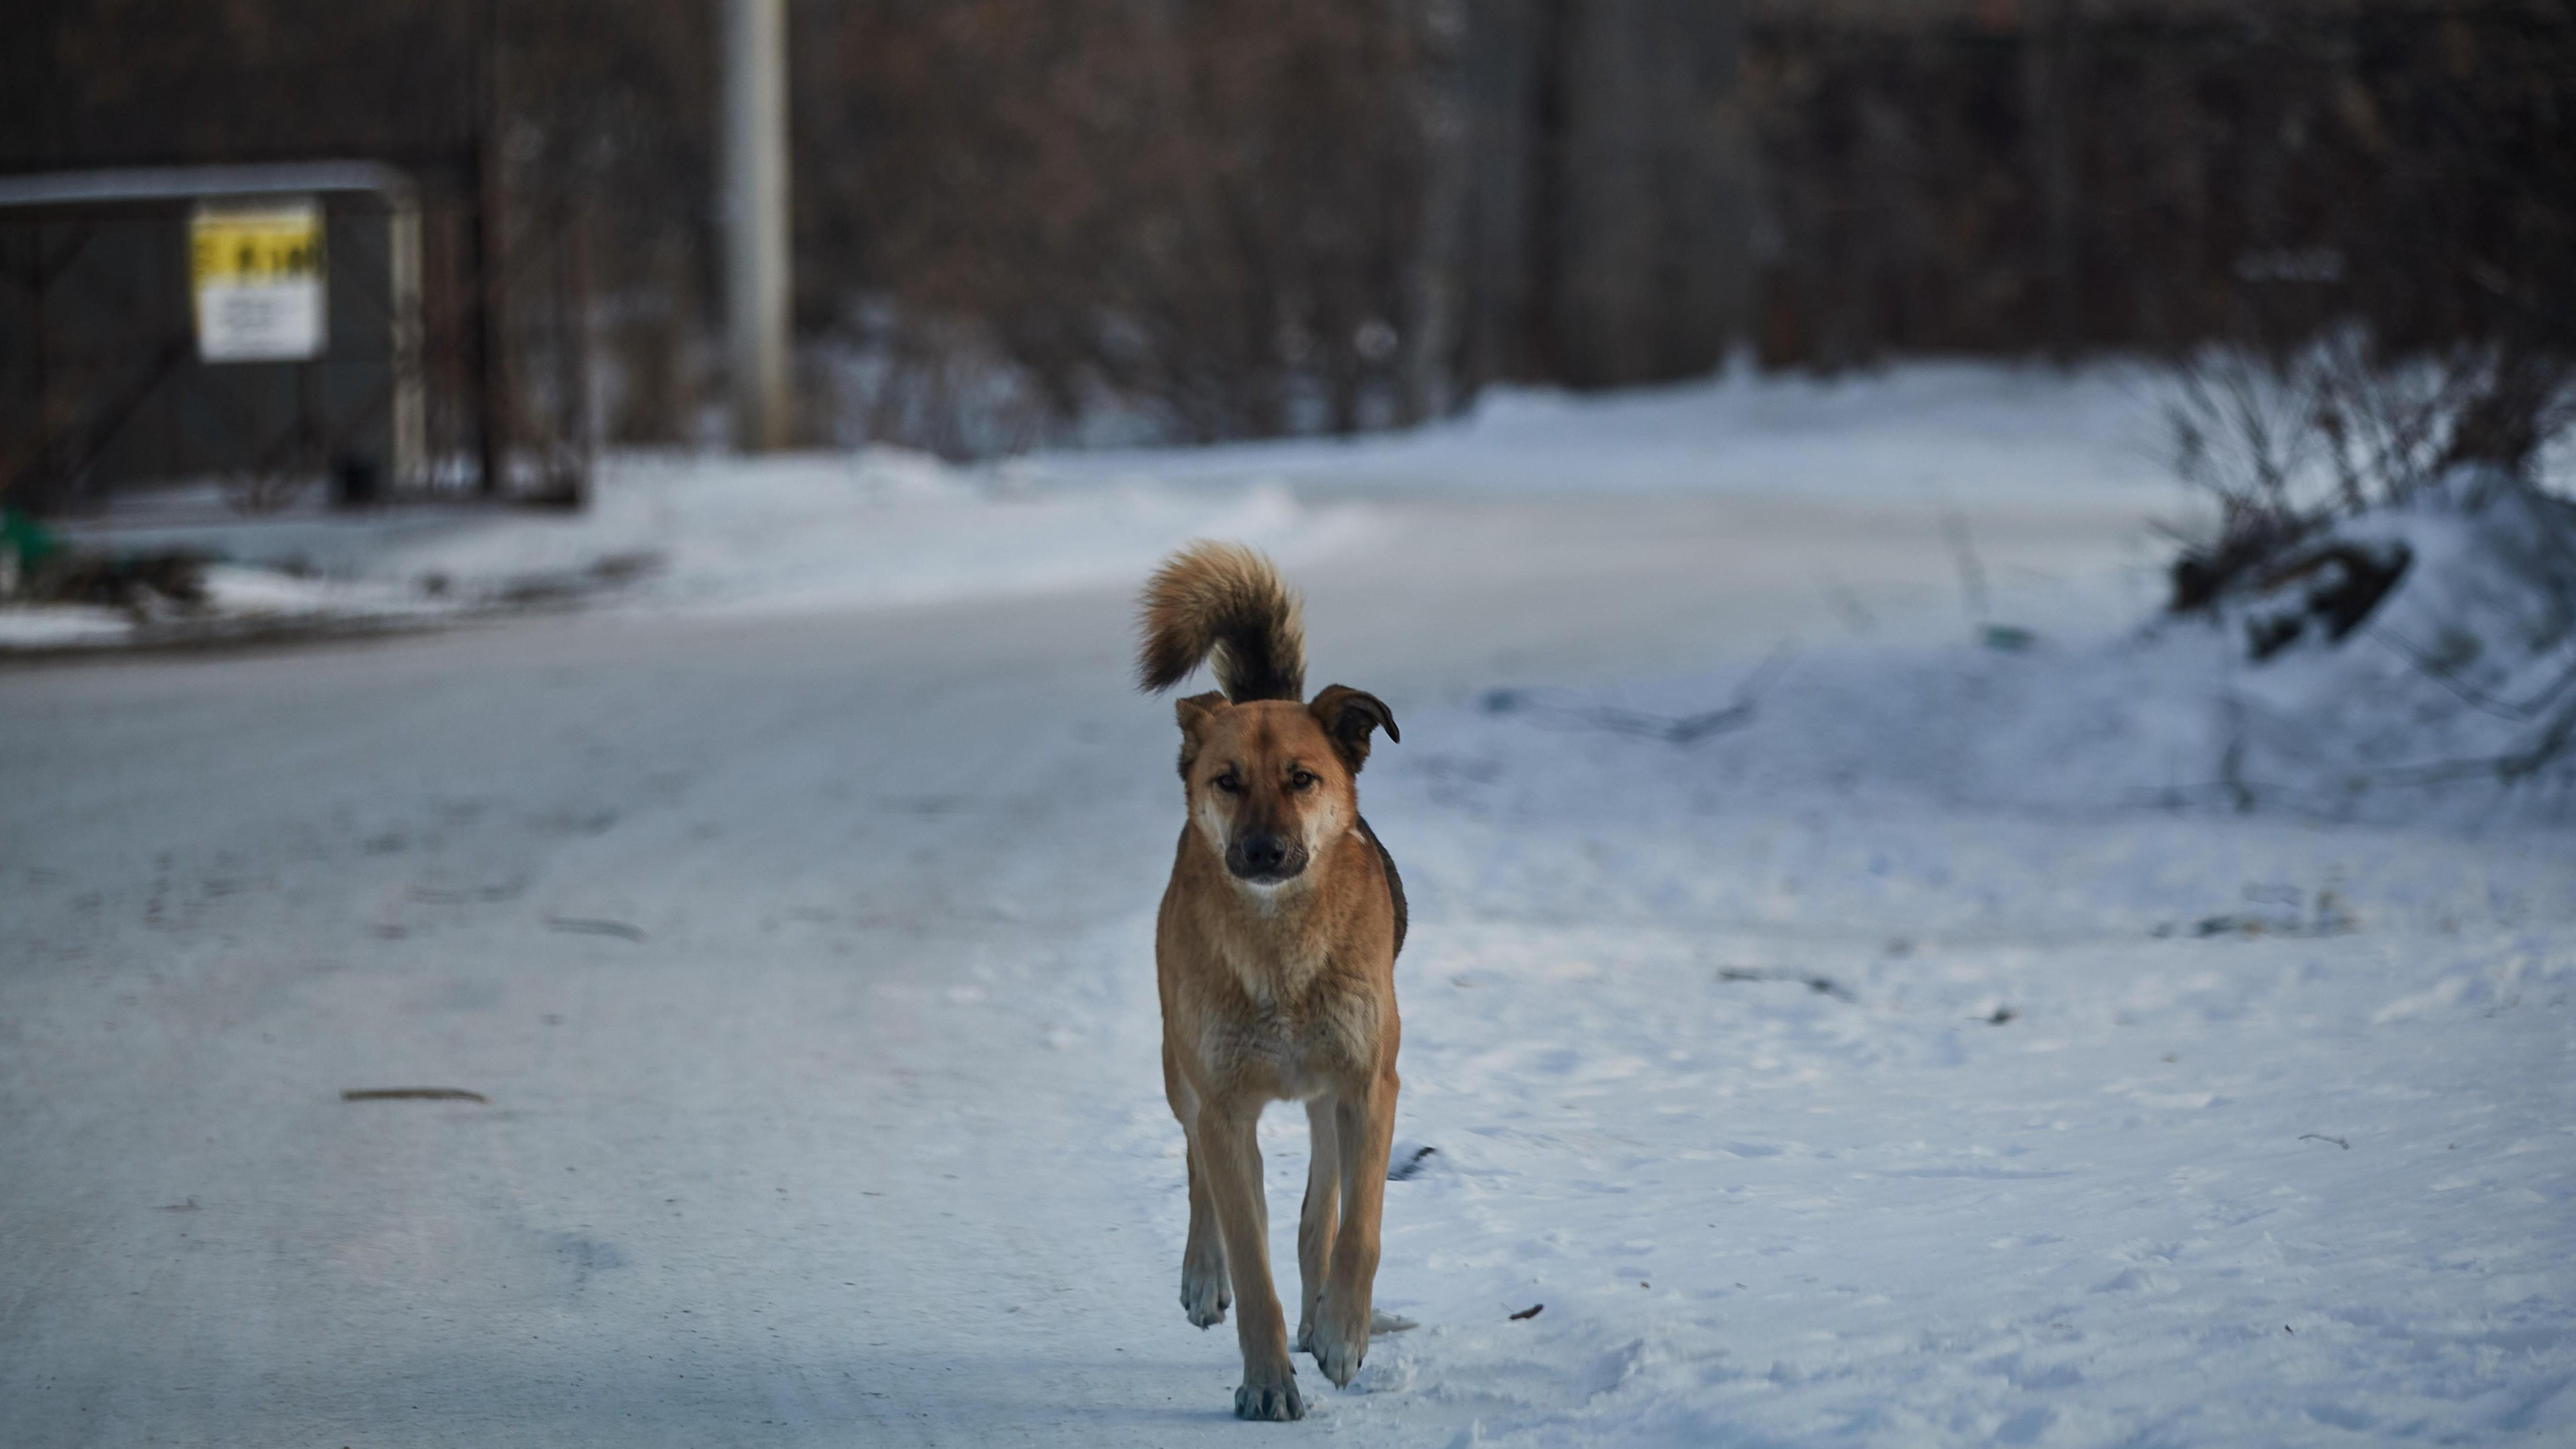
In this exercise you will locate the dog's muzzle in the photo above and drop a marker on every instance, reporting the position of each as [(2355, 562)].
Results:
[(1265, 859)]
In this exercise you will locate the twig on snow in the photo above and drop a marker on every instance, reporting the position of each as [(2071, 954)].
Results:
[(578, 926), (1687, 729), (2506, 768), (2519, 711), (411, 1094), (1972, 570), (1821, 985)]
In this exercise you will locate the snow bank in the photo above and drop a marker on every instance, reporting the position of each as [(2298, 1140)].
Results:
[(2464, 672), (887, 527), (1921, 431), (2441, 706), (802, 533), (883, 526), (52, 628)]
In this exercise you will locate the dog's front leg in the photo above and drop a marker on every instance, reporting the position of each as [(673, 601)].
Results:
[(1365, 1124), (1321, 1215), (1203, 1287), (1203, 1290), (1230, 1162)]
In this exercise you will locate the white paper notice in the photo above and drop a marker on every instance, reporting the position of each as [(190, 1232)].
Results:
[(257, 274)]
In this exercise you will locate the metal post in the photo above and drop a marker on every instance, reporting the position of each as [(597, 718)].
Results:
[(409, 466), (41, 493), (489, 250), (753, 123)]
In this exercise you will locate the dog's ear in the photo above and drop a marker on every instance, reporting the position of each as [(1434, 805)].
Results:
[(1348, 715), (1197, 709), (1194, 712)]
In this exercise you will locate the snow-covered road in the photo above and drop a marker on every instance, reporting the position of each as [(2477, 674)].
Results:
[(804, 959)]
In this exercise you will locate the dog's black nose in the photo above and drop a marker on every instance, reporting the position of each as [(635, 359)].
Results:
[(1265, 857)]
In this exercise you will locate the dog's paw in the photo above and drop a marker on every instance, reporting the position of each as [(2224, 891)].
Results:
[(1205, 1297), (1270, 1403), (1381, 1323), (1338, 1345)]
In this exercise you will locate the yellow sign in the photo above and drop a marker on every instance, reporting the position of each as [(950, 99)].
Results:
[(257, 275), (239, 247)]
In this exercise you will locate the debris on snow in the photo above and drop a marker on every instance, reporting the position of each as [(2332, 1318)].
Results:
[(579, 926), (1821, 985), (1549, 709)]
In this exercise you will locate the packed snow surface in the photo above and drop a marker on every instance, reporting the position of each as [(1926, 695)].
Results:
[(880, 526), (1845, 999), (801, 533)]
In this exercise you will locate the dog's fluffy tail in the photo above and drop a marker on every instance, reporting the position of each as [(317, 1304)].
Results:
[(1225, 600)]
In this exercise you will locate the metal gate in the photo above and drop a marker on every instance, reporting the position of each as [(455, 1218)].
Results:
[(454, 361)]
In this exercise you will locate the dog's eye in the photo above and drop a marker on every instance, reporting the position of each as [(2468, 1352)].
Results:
[(1229, 783), (1301, 780)]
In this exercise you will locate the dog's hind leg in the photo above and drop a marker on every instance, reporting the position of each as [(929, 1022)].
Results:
[(1320, 1217), (1366, 1131), (1204, 1295)]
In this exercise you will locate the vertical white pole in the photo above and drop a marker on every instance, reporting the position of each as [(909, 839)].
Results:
[(409, 467), (753, 125)]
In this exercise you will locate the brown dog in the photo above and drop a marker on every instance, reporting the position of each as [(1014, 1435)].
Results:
[(1275, 953)]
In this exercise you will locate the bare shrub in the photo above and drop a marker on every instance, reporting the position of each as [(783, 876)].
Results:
[(941, 384), (2287, 440)]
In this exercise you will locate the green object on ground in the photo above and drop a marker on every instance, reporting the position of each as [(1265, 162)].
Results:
[(31, 541)]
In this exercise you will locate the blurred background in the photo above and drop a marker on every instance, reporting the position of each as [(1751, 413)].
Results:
[(1019, 224)]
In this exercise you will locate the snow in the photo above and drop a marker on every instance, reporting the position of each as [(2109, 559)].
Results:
[(1923, 431), (2469, 660), (879, 526), (819, 533), (1883, 1112), (798, 533), (54, 628), (1930, 1053)]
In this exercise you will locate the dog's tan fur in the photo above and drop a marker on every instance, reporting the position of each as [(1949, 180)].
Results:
[(1277, 982)]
